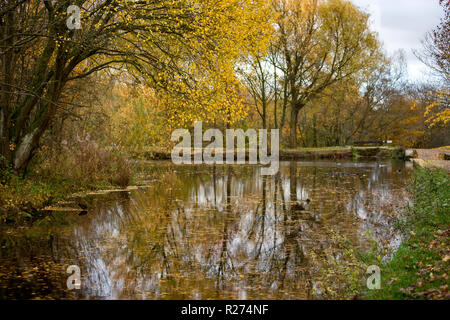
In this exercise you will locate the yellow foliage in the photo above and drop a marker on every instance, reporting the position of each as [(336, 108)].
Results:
[(139, 121), (438, 112), (197, 72)]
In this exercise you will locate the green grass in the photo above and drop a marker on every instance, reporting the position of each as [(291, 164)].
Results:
[(419, 269)]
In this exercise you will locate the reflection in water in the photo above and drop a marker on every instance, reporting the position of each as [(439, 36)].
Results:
[(224, 232)]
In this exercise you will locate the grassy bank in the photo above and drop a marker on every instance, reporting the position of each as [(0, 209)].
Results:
[(23, 198), (420, 268), (56, 177)]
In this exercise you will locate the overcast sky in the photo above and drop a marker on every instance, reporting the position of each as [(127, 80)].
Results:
[(402, 24)]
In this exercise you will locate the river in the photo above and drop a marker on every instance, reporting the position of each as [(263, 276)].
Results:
[(209, 232)]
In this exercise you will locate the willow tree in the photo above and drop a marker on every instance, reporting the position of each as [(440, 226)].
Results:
[(170, 45), (321, 43)]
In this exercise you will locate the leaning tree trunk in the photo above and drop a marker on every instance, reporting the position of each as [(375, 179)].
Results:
[(23, 153), (34, 131)]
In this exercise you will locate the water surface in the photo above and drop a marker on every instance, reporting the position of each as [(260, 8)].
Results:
[(208, 232)]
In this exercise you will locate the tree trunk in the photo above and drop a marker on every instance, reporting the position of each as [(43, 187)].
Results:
[(264, 113), (23, 154), (294, 120), (7, 63), (315, 131)]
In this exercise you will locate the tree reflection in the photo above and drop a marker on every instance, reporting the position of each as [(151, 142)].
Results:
[(225, 232)]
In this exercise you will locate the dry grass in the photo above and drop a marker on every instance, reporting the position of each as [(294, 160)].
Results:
[(86, 164)]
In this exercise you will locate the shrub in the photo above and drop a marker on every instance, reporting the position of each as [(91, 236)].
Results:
[(86, 164)]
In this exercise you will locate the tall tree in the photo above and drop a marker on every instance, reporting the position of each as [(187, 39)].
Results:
[(322, 43), (266, 84), (167, 44), (436, 49), (436, 55)]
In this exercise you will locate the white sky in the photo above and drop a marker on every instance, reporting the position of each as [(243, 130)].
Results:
[(402, 24)]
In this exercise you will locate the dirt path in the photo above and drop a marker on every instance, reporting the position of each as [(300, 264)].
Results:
[(429, 154), (426, 157)]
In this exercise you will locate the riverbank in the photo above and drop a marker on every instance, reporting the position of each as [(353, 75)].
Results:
[(373, 153), (333, 153), (27, 198), (420, 268), (22, 199)]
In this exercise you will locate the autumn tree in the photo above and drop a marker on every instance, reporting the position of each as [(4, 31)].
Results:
[(258, 83), (436, 52), (354, 110), (170, 45), (436, 55), (266, 84), (321, 43)]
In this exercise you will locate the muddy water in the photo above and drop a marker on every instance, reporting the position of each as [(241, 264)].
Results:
[(206, 232)]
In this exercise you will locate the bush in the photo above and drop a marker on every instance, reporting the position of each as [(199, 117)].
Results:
[(86, 164), (6, 172), (57, 173), (431, 196)]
